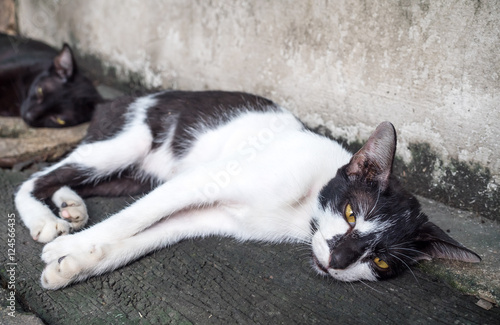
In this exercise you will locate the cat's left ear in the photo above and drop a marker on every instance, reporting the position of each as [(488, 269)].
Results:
[(373, 162), (435, 243), (64, 63)]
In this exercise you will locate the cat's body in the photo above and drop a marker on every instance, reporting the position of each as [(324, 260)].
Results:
[(43, 85), (231, 164)]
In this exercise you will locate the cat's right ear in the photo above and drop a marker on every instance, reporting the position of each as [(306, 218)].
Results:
[(435, 243), (373, 162), (64, 63)]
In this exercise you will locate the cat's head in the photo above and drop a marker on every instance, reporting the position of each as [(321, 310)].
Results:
[(60, 96), (367, 227)]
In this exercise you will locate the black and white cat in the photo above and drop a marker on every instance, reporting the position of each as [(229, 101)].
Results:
[(42, 85), (229, 164)]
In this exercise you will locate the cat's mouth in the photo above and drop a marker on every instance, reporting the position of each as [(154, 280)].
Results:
[(319, 266)]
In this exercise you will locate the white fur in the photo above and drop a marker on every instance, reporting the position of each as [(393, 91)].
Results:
[(42, 223), (356, 271), (256, 178)]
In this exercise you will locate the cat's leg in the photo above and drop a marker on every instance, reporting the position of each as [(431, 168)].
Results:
[(72, 208), (65, 193), (182, 193), (33, 195), (87, 165), (105, 257), (69, 200)]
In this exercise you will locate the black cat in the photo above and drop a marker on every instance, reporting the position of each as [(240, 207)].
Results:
[(42, 85)]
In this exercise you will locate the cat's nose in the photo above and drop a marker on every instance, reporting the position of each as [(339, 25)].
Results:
[(28, 116), (348, 250), (342, 258)]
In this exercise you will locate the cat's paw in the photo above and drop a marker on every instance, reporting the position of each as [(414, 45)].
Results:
[(68, 264), (71, 245), (60, 247), (71, 207), (69, 268), (74, 213), (60, 273), (49, 229)]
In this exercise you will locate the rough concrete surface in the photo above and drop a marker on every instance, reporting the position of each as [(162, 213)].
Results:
[(217, 281), (430, 67)]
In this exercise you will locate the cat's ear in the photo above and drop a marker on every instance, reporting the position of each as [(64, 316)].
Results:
[(64, 63), (435, 243), (373, 161)]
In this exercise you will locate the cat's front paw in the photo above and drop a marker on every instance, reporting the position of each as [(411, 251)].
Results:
[(49, 229), (71, 207), (60, 247), (60, 273), (68, 260), (69, 268)]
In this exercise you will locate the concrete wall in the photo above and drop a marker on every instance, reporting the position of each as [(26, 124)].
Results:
[(430, 67)]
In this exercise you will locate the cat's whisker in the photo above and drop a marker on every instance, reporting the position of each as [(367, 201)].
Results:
[(301, 249), (400, 244), (353, 287), (412, 250), (366, 284), (305, 255), (376, 204), (409, 268), (406, 256)]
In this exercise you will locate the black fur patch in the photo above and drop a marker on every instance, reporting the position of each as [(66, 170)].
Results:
[(78, 179), (200, 110), (123, 184), (68, 175), (108, 119)]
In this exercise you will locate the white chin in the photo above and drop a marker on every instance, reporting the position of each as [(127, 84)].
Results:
[(355, 272)]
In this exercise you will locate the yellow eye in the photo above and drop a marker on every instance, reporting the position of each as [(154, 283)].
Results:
[(350, 217), (39, 92), (381, 264), (60, 121)]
